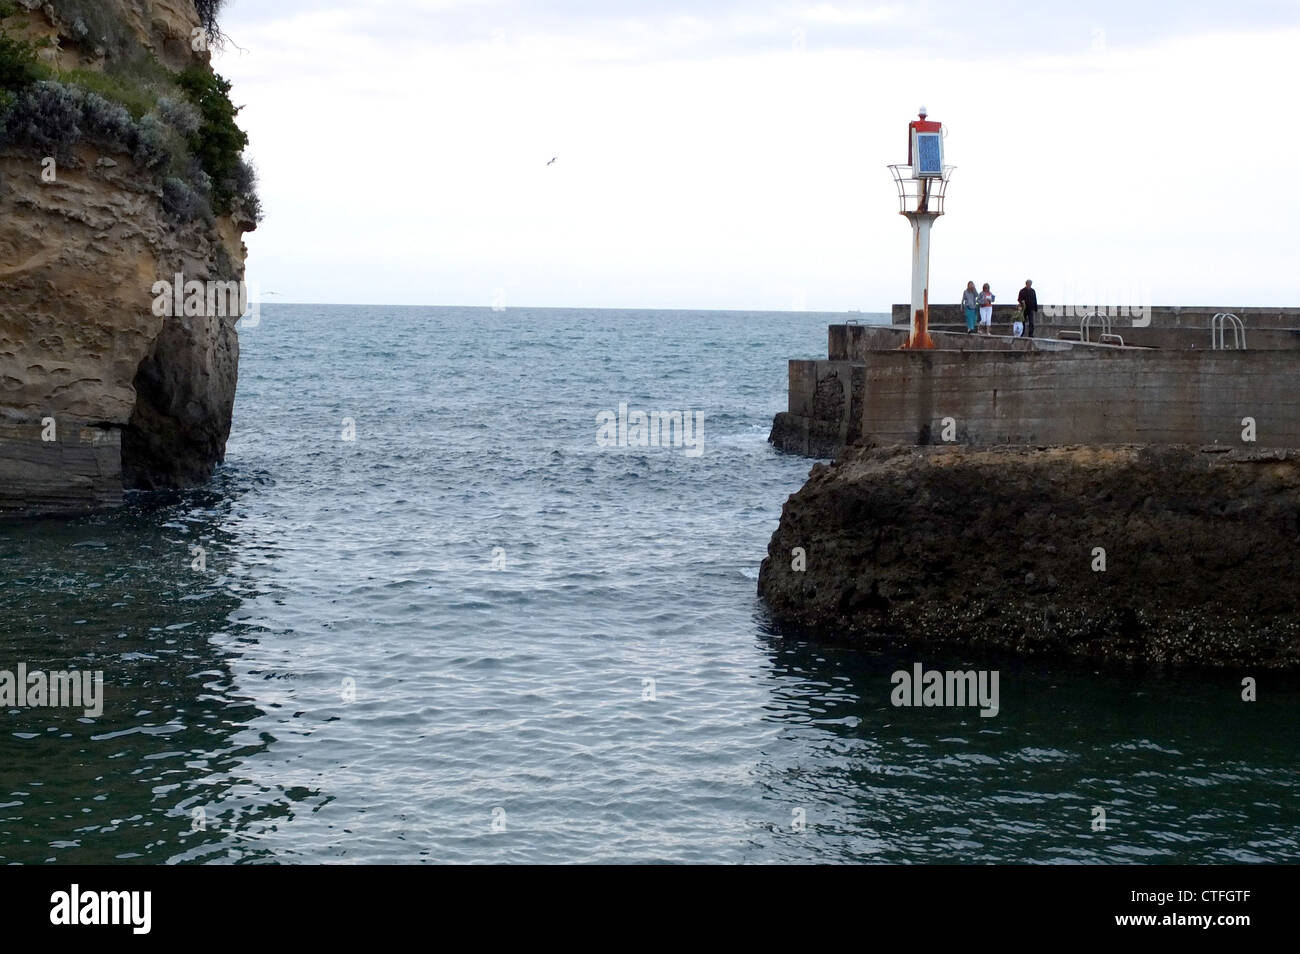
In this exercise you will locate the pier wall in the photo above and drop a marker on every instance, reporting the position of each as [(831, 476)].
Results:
[(1076, 394)]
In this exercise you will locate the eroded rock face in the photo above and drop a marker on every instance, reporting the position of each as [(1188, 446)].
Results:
[(163, 27), (135, 399), (185, 393), (1002, 549)]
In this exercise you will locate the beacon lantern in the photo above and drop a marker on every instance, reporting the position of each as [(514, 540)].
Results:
[(925, 147), (922, 182)]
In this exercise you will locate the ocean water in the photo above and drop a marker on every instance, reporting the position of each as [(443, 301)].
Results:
[(473, 634)]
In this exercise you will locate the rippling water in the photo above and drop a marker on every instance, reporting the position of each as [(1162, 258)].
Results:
[(434, 642)]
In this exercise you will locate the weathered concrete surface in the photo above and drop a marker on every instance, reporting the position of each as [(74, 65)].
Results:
[(1087, 394), (824, 416), (858, 342), (996, 549), (1171, 339), (1161, 316)]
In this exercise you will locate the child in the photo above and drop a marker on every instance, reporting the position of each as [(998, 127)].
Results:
[(1018, 323)]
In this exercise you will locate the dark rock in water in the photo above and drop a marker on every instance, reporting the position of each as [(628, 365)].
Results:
[(810, 437), (1162, 554), (185, 395)]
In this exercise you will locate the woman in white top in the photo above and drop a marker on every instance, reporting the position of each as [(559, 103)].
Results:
[(986, 300)]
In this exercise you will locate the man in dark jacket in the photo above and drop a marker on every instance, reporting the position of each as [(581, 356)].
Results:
[(1028, 299)]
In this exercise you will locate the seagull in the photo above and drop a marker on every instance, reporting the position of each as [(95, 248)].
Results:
[(553, 158)]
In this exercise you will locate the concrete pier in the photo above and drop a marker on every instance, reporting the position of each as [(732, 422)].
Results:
[(1165, 385)]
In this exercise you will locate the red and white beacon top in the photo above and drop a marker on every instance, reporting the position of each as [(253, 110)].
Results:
[(925, 147)]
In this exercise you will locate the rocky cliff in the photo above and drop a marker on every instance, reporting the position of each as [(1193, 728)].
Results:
[(108, 185), (1161, 554)]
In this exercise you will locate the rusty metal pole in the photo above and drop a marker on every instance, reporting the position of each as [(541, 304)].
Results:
[(922, 182), (920, 335)]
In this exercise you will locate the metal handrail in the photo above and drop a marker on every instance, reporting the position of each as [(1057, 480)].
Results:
[(1085, 325), (1218, 332)]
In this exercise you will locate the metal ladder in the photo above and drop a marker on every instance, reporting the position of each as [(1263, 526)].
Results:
[(1085, 326), (1218, 328)]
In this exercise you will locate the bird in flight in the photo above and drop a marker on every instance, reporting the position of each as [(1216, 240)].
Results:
[(553, 158)]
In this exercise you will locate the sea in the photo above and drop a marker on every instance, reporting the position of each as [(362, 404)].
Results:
[(428, 611)]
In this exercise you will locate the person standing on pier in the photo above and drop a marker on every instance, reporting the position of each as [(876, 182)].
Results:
[(986, 299), (1029, 302), (969, 304)]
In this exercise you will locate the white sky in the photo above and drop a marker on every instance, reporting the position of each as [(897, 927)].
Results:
[(732, 155)]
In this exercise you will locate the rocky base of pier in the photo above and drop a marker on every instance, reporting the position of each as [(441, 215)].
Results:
[(1126, 553)]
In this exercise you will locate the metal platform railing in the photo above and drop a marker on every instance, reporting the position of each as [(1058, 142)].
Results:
[(924, 194)]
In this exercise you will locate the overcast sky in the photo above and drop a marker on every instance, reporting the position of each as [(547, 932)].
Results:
[(733, 155)]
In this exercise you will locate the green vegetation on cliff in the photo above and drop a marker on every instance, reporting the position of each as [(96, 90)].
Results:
[(180, 127), (19, 66), (218, 142)]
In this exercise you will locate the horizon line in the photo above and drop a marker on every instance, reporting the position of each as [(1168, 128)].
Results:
[(773, 311), (505, 308)]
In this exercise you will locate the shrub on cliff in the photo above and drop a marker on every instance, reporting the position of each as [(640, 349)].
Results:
[(176, 142), (246, 190), (182, 202), (153, 149), (180, 114), (18, 64), (52, 118), (133, 96), (162, 142), (95, 28), (19, 67), (218, 142)]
